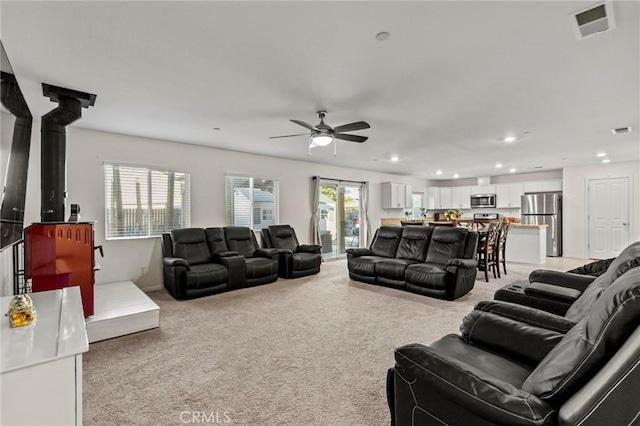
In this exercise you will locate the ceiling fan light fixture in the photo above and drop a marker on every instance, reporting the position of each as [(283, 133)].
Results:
[(321, 140)]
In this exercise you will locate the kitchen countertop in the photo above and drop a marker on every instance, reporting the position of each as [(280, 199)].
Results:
[(523, 225)]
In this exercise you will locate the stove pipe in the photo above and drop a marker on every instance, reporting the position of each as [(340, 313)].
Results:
[(53, 167)]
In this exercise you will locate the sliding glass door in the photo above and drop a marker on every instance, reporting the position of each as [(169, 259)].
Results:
[(339, 217)]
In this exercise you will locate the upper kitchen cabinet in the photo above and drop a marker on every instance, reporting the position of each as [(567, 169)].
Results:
[(508, 195), (543, 185), (483, 189), (433, 198), (460, 197), (396, 195), (445, 198)]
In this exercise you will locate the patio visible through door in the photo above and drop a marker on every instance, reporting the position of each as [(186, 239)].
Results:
[(339, 210)]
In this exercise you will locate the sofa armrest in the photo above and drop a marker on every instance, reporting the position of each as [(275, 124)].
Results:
[(175, 261), (309, 248), (462, 263), (236, 264), (357, 252), (554, 292), (563, 279), (428, 370), (508, 336), (269, 253), (527, 315)]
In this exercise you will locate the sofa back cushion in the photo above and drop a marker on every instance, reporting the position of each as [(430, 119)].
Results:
[(386, 241), (628, 259), (241, 239), (283, 237), (215, 240), (446, 243), (414, 242), (191, 245), (589, 345)]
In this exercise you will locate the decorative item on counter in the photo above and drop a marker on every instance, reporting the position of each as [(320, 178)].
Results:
[(511, 219), (453, 214), (423, 212), (407, 214), (21, 311), (75, 213)]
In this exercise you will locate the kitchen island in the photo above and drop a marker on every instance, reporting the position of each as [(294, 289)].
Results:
[(526, 243)]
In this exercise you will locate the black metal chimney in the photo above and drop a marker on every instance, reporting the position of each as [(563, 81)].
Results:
[(54, 148)]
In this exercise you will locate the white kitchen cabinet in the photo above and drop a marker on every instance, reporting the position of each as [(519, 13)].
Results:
[(433, 198), (445, 198), (533, 186), (483, 189), (396, 195), (508, 195), (461, 197), (552, 185)]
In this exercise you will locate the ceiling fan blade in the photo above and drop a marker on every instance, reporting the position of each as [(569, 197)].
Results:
[(289, 136), (303, 124), (350, 138), (358, 125)]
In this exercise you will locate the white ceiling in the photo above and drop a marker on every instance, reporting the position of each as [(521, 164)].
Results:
[(452, 79)]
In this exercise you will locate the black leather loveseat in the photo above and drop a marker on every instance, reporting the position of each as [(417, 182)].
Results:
[(199, 262), (433, 261), (296, 260)]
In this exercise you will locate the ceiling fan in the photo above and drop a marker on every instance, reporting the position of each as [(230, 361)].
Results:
[(321, 134)]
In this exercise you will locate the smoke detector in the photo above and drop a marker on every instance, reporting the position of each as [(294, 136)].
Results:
[(594, 20)]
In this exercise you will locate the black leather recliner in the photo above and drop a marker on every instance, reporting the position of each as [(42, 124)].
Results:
[(261, 263), (190, 270), (558, 292), (504, 372), (296, 260)]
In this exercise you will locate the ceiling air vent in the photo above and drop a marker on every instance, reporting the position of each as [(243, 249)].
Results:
[(595, 20), (621, 130)]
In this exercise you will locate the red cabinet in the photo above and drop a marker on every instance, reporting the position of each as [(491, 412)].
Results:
[(61, 255)]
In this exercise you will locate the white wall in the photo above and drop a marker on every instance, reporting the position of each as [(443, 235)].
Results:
[(88, 150), (574, 190)]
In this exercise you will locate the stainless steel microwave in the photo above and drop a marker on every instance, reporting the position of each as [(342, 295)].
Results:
[(479, 201)]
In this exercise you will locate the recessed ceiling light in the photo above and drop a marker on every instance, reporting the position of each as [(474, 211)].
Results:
[(601, 154), (606, 160), (456, 176), (382, 36), (499, 166), (510, 139), (395, 158), (512, 170), (439, 172)]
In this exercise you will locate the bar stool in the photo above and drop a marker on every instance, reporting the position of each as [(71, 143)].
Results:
[(487, 251)]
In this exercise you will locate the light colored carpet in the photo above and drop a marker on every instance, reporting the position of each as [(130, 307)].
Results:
[(309, 351)]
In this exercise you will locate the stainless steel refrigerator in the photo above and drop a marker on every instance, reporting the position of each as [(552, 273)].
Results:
[(545, 208)]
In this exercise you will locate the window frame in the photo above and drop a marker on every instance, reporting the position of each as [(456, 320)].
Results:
[(230, 219)]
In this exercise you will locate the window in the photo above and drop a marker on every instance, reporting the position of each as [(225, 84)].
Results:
[(417, 203), (144, 202), (251, 202)]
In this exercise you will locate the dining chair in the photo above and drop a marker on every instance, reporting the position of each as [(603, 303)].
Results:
[(502, 247), (487, 251)]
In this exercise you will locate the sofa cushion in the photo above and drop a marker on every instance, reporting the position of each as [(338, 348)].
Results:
[(628, 259), (190, 244), (258, 267), (428, 275), (215, 240), (206, 275), (414, 242), (283, 237), (591, 343), (446, 243), (393, 269), (364, 265), (302, 261), (386, 242)]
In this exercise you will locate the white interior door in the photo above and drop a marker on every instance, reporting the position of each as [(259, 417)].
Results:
[(608, 217)]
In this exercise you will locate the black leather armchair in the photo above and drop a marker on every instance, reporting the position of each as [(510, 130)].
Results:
[(261, 263), (296, 260), (501, 371), (190, 270)]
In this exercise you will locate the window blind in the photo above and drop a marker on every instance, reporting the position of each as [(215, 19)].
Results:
[(145, 202), (252, 202)]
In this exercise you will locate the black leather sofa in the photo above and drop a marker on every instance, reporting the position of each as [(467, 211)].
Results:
[(502, 371), (556, 291), (296, 260), (199, 262), (433, 261)]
